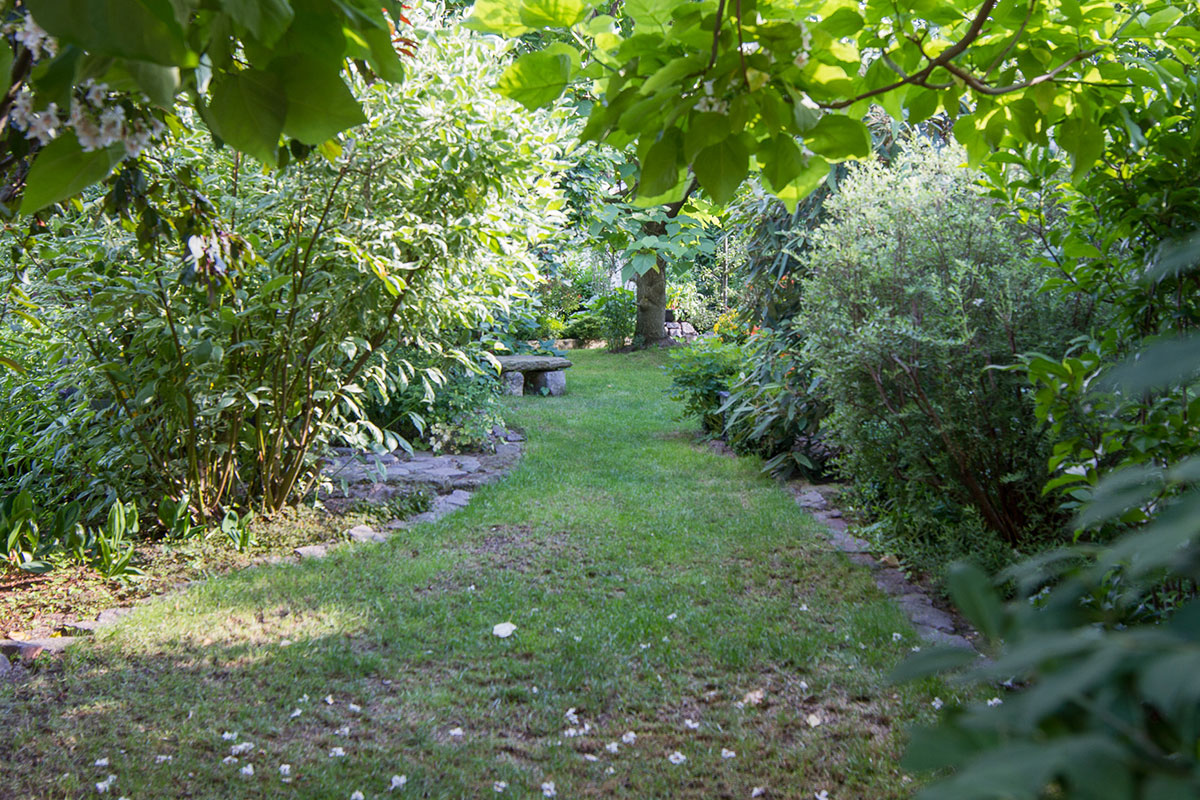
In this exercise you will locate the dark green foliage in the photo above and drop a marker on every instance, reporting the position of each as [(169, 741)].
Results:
[(700, 374), (586, 326), (916, 291), (617, 311), (776, 406)]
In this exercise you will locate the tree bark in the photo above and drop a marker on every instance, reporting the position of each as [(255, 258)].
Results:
[(651, 305)]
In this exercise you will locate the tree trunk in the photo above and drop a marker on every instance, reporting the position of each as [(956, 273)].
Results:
[(651, 305)]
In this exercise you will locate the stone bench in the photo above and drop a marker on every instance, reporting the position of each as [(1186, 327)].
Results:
[(531, 374)]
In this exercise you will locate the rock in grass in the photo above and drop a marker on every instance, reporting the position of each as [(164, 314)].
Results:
[(312, 551), (365, 533)]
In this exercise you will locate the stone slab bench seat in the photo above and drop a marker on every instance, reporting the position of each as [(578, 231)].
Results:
[(531, 374)]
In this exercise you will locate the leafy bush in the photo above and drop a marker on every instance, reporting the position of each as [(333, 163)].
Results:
[(916, 292), (699, 375), (451, 407), (618, 311), (776, 407), (586, 326), (221, 322)]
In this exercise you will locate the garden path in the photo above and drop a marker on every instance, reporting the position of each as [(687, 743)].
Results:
[(683, 629)]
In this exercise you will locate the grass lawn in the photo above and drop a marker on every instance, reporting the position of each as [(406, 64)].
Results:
[(657, 589)]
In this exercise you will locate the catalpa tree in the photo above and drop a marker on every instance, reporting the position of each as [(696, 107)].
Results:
[(88, 83), (712, 90)]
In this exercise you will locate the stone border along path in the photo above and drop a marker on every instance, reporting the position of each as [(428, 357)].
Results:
[(931, 623), (375, 478)]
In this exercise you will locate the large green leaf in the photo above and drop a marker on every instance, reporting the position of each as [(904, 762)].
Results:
[(722, 167), (650, 13), (838, 137), (160, 83), (660, 166), (62, 170), (496, 16), (143, 31), (266, 19), (552, 13), (248, 109), (782, 161), (1084, 140), (812, 175), (971, 590), (319, 104), (537, 79)]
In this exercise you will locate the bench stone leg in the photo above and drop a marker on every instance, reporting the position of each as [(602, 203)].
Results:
[(514, 383), (553, 381)]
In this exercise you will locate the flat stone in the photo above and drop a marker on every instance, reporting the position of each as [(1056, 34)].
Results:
[(531, 363), (862, 559), (513, 436), (812, 499), (365, 533), (458, 498), (312, 551), (445, 472), (892, 581), (836, 525), (922, 612), (110, 615), (834, 513), (934, 636), (5, 667), (553, 384), (395, 524), (849, 544), (468, 464), (55, 644), (508, 449), (512, 384)]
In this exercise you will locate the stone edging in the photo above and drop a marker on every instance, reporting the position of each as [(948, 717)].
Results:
[(931, 623)]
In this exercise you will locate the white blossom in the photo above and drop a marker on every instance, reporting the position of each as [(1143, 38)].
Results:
[(337, 752), (612, 747), (285, 770), (548, 789), (357, 795), (629, 738), (398, 782), (499, 786), (103, 786), (677, 757), (248, 770), (727, 753), (937, 703)]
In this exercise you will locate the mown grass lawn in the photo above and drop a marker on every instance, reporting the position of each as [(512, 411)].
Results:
[(654, 586)]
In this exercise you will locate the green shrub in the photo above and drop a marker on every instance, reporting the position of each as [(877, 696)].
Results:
[(699, 374), (618, 311), (915, 292), (776, 408), (586, 326), (223, 323)]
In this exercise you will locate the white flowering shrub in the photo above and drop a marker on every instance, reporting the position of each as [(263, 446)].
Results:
[(225, 321)]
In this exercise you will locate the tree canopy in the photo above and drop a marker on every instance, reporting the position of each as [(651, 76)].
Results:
[(717, 89)]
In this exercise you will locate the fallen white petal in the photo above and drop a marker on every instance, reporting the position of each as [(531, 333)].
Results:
[(548, 789), (100, 762), (229, 736), (229, 760), (629, 738), (295, 713), (357, 795), (758, 791), (499, 786), (672, 616), (328, 699), (456, 732), (398, 782), (285, 769), (337, 752), (612, 747), (248, 770), (677, 757), (163, 759), (342, 731), (503, 629), (727, 753), (590, 757), (354, 707), (691, 724), (813, 720)]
